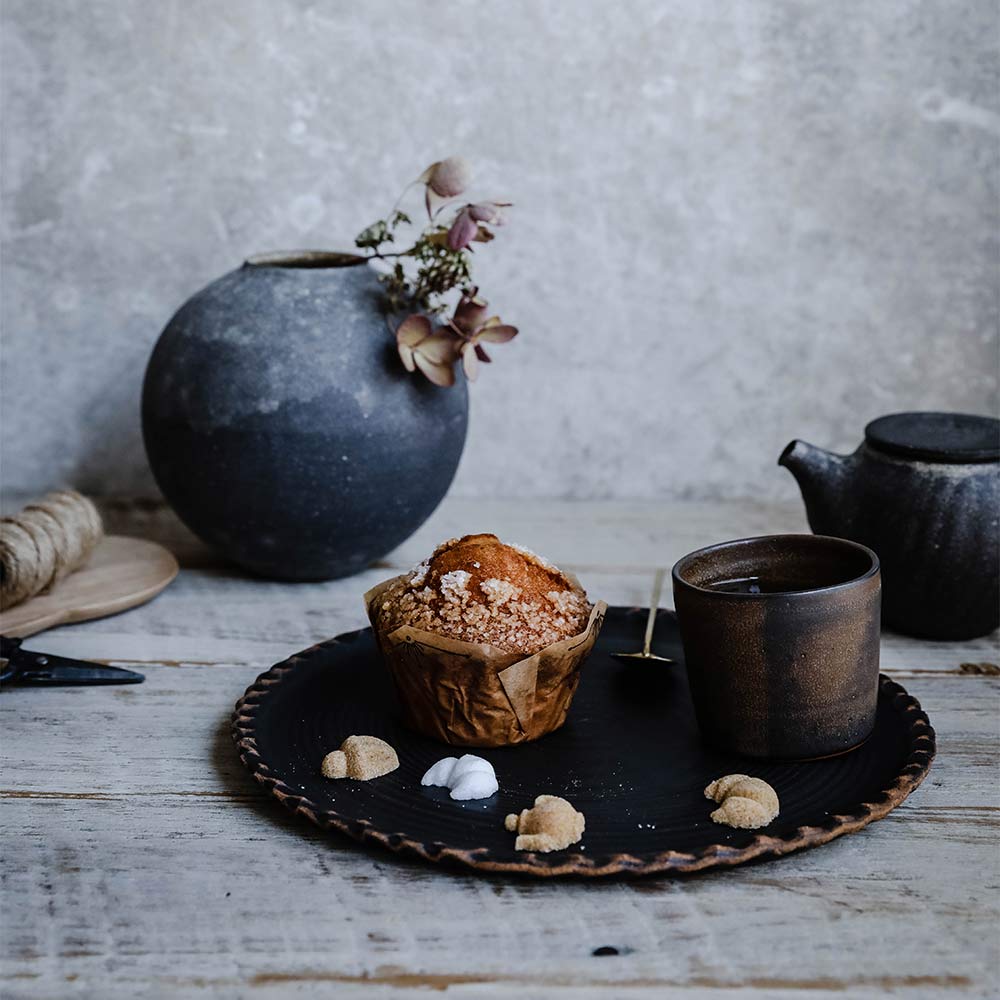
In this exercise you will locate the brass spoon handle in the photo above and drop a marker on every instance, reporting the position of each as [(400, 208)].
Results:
[(654, 605)]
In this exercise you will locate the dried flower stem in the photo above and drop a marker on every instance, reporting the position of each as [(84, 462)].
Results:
[(438, 262)]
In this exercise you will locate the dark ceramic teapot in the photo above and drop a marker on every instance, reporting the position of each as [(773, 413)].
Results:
[(923, 491)]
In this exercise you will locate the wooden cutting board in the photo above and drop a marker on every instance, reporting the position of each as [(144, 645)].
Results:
[(122, 573)]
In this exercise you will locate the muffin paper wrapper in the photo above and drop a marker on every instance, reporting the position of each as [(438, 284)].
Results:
[(475, 695)]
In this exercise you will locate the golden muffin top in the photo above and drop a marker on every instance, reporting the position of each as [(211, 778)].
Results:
[(477, 589)]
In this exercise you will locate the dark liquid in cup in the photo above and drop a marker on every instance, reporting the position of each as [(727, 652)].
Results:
[(756, 585)]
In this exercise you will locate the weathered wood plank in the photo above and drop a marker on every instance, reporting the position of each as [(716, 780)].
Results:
[(299, 905), (216, 616), (127, 825), (604, 534), (126, 820)]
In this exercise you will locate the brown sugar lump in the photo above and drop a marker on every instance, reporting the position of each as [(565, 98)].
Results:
[(745, 803), (551, 824), (484, 641), (360, 757)]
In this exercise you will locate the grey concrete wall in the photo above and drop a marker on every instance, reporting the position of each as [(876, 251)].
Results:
[(736, 222)]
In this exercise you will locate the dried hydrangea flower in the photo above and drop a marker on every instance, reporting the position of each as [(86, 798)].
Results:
[(445, 179), (421, 276), (471, 312), (469, 224), (463, 231), (491, 212), (432, 351), (449, 177), (472, 326)]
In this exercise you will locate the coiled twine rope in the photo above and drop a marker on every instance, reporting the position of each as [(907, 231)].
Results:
[(48, 539)]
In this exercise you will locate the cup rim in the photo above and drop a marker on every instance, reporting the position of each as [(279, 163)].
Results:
[(790, 537)]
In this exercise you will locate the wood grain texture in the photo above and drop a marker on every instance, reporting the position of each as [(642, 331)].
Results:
[(141, 860), (120, 574)]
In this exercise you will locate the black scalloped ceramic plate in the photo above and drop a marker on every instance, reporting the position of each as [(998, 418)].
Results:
[(629, 758)]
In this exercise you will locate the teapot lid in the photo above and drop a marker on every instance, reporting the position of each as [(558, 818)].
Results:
[(937, 437)]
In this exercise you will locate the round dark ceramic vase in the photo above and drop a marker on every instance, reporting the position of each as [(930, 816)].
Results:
[(282, 427)]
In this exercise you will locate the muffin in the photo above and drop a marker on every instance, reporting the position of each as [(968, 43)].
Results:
[(477, 589), (484, 641)]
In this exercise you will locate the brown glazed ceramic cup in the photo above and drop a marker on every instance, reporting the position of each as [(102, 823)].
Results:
[(789, 672)]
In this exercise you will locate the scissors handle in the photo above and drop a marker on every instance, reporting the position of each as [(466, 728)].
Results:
[(8, 651)]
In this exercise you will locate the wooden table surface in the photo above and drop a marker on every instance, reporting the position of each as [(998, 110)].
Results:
[(140, 859)]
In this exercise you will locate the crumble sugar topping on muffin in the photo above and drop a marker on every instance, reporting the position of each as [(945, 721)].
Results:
[(477, 589)]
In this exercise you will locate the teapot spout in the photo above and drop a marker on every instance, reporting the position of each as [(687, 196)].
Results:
[(823, 479)]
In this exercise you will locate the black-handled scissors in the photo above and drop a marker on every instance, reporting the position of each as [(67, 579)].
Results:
[(24, 666)]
